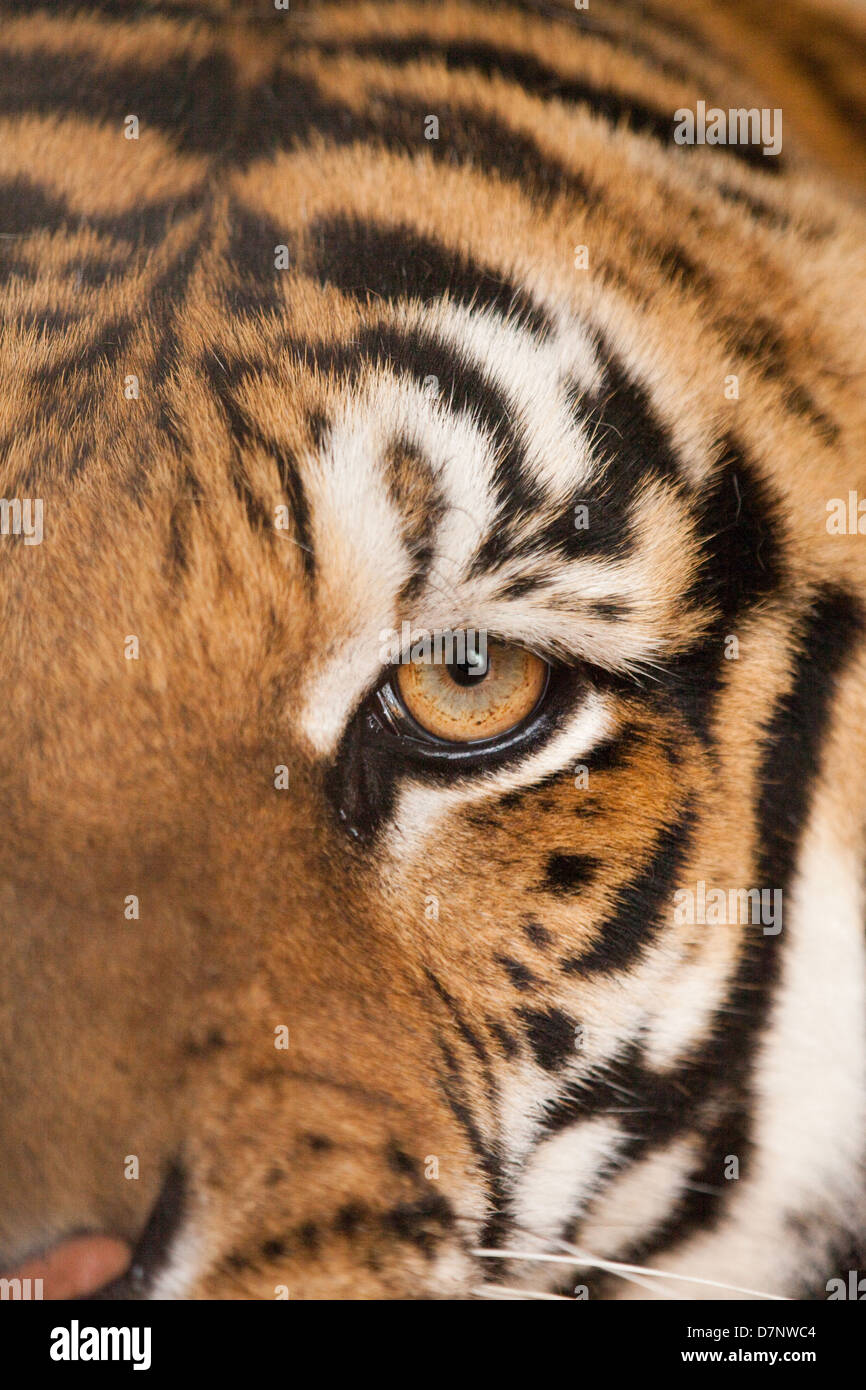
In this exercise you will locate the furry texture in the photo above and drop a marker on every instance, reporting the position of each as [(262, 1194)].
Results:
[(431, 387)]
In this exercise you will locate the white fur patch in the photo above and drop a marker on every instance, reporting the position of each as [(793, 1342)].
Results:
[(561, 1175), (810, 1110)]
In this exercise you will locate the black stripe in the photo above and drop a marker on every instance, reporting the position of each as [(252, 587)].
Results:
[(507, 1042), (625, 422), (95, 271), (585, 25), (27, 206), (538, 935), (760, 341), (468, 1034), (762, 211), (289, 107), (623, 1082), (74, 371), (738, 525), (540, 80), (678, 28), (631, 446), (638, 19), (614, 753), (192, 99), (468, 137), (475, 138), (293, 486), (575, 24), (722, 1069), (188, 498), (488, 1157), (47, 320), (824, 76), (421, 505), (794, 739), (790, 766), (245, 432), (636, 916), (626, 40), (610, 609), (144, 224), (391, 262), (634, 446), (537, 78), (76, 368), (251, 254), (123, 10), (167, 300), (154, 1246), (847, 1252)]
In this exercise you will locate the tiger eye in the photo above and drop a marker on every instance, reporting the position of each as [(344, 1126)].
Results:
[(471, 700)]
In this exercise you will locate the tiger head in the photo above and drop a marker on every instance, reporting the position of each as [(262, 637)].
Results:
[(434, 734)]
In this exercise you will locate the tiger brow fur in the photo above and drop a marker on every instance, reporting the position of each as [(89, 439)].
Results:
[(292, 295)]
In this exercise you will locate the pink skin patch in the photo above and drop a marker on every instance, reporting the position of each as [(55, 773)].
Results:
[(77, 1266)]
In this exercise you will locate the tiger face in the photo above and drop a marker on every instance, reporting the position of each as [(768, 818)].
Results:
[(433, 780)]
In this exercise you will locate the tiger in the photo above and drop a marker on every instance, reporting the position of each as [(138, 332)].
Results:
[(433, 649)]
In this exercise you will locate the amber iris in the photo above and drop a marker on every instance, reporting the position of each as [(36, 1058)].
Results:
[(467, 701)]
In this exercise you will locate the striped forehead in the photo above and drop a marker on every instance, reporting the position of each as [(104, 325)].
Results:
[(474, 468)]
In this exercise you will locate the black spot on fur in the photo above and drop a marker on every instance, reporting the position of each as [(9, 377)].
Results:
[(420, 1223), (318, 1143), (569, 873), (214, 1041), (609, 608), (350, 1218), (551, 1036), (538, 935), (518, 974), (308, 1235), (401, 1162)]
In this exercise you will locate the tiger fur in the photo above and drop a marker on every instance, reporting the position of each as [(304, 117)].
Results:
[(285, 287)]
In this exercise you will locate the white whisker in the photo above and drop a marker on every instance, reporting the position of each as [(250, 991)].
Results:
[(615, 1267), (657, 1289)]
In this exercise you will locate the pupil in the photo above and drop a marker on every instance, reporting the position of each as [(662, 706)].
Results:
[(470, 671)]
